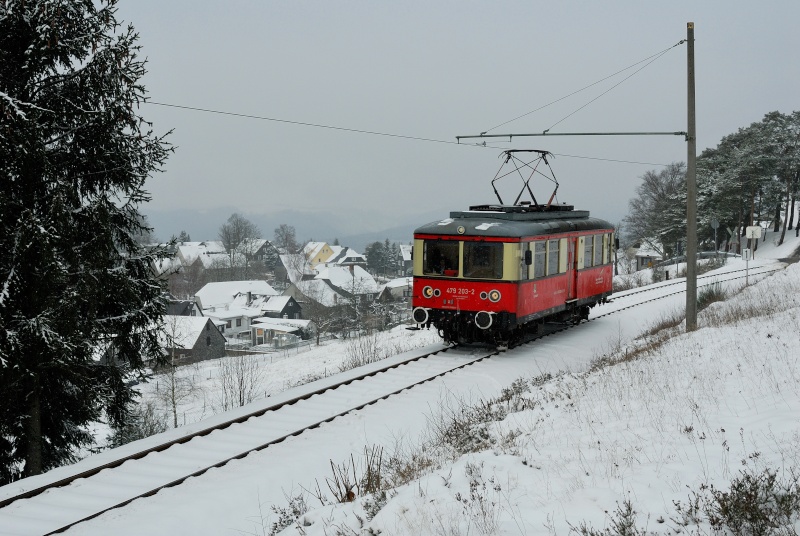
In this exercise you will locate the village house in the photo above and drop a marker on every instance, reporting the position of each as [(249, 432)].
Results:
[(279, 332), (405, 263), (282, 307), (396, 290), (188, 339), (224, 293), (647, 257), (328, 285)]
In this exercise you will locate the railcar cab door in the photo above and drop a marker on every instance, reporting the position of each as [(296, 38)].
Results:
[(579, 246), (572, 268)]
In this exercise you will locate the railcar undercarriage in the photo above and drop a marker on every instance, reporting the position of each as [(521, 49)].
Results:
[(498, 329)]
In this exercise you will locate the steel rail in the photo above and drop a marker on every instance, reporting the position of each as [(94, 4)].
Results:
[(263, 446), (205, 431)]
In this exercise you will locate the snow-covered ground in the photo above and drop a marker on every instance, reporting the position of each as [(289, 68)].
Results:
[(570, 448), (198, 387)]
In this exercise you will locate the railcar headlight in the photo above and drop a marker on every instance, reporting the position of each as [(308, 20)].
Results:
[(494, 296), (437, 292), (427, 292), (484, 296), (420, 315), (483, 320)]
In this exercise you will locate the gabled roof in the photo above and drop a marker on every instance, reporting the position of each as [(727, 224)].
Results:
[(224, 293), (330, 283), (312, 249), (188, 252), (276, 303), (344, 256), (183, 330), (355, 281)]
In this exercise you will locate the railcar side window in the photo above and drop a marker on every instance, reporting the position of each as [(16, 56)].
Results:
[(587, 253), (483, 260), (598, 250), (539, 257), (440, 257), (552, 257)]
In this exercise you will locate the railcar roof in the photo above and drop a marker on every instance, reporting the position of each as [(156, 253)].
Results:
[(502, 221)]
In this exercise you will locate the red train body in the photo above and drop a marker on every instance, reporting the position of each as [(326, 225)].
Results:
[(496, 272)]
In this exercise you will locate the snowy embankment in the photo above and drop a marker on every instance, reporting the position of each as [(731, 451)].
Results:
[(566, 446), (691, 412)]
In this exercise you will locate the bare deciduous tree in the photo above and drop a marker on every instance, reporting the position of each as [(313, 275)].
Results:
[(174, 388), (285, 239), (239, 381), (240, 237)]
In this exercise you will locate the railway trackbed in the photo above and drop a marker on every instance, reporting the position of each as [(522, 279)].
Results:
[(143, 473), (92, 488)]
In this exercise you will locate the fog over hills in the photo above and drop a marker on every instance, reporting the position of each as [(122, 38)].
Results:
[(355, 230), (352, 229)]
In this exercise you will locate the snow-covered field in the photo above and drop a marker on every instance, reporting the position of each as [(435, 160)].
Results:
[(198, 388), (567, 450)]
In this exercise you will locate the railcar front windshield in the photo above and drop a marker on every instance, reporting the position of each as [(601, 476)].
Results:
[(483, 260), (440, 257)]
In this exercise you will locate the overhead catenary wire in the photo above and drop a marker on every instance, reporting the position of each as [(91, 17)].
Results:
[(611, 88), (374, 133), (652, 57), (301, 123)]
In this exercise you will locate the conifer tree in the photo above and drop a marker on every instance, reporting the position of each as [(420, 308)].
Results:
[(74, 282)]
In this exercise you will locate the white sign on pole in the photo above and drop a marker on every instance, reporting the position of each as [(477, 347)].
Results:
[(753, 231), (747, 254)]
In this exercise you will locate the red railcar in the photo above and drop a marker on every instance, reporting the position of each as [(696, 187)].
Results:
[(496, 272)]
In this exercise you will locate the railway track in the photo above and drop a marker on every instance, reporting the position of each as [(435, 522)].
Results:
[(105, 486), (143, 473), (619, 300)]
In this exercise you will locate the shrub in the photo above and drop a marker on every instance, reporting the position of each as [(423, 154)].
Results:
[(623, 523), (756, 504), (144, 421), (710, 294), (289, 515)]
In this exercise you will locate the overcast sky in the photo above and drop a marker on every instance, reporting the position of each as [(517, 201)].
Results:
[(437, 70)]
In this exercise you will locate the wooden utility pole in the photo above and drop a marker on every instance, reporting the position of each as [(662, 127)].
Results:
[(691, 189)]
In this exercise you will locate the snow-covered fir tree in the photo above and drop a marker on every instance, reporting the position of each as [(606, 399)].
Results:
[(74, 283)]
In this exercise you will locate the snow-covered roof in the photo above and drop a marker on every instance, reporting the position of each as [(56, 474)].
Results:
[(166, 266), (182, 330), (188, 252), (645, 250), (345, 256), (224, 293), (405, 251), (399, 282), (357, 281), (276, 303), (326, 279), (230, 312), (253, 244), (312, 249), (281, 324), (296, 264)]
